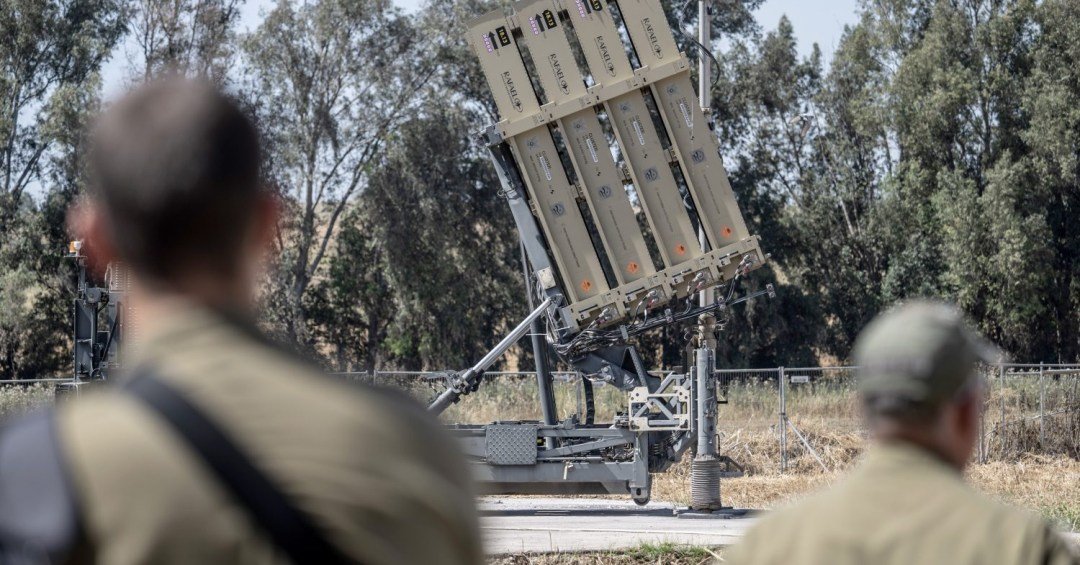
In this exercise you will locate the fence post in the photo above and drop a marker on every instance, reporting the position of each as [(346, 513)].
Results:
[(982, 425), (783, 422), (1001, 378), (1042, 409)]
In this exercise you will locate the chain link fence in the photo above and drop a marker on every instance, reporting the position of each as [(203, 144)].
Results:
[(1030, 408), (809, 414), (504, 396)]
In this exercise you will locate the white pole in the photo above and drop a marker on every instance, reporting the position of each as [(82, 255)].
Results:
[(705, 298), (1042, 409), (783, 420), (705, 38)]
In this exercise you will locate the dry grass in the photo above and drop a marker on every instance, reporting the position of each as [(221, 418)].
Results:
[(18, 399), (758, 451), (1050, 485), (511, 398), (823, 409), (827, 415), (1047, 484), (1012, 425)]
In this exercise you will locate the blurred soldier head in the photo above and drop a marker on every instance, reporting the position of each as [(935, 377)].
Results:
[(175, 193), (918, 379)]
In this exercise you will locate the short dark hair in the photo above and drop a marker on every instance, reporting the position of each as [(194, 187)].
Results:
[(898, 410), (905, 412), (175, 165)]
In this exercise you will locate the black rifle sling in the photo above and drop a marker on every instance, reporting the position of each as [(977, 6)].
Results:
[(289, 528)]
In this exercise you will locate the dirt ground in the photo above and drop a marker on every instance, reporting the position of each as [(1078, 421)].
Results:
[(1049, 485)]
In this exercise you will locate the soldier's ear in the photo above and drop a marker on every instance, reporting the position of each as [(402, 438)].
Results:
[(88, 223), (970, 407), (268, 209)]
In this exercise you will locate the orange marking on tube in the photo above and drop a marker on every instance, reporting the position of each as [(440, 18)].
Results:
[(586, 285), (726, 231), (632, 267), (680, 249)]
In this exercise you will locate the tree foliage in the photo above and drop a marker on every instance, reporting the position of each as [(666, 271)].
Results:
[(924, 167), (937, 154), (329, 80), (51, 55), (189, 37)]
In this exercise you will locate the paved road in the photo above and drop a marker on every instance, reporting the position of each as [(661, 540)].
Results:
[(537, 525), (514, 525)]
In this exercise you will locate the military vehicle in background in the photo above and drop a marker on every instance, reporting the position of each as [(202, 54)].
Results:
[(99, 321)]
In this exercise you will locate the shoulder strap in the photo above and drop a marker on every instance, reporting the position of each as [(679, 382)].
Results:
[(290, 529)]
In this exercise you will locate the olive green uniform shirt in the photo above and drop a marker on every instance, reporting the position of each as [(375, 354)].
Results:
[(376, 474), (902, 506)]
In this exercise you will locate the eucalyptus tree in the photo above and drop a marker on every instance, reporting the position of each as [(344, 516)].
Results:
[(49, 46), (51, 56), (353, 307), (329, 81), (189, 37), (1051, 101)]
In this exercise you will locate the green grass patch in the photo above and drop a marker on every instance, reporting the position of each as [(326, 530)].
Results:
[(644, 554), (667, 551), (1063, 515)]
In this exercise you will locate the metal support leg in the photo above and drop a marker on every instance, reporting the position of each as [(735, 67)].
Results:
[(641, 485), (705, 469), (464, 383), (543, 379), (543, 370)]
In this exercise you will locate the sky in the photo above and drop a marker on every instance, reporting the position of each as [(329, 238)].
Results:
[(815, 21)]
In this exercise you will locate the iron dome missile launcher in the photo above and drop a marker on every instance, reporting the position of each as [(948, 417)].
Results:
[(599, 120)]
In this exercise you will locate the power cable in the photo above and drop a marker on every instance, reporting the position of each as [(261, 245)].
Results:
[(701, 48)]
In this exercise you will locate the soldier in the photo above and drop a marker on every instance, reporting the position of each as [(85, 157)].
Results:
[(907, 502), (219, 447)]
